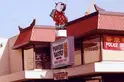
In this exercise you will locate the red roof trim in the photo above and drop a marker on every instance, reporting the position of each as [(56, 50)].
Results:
[(34, 34), (82, 18), (20, 45)]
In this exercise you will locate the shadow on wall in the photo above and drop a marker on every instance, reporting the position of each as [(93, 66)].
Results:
[(4, 57)]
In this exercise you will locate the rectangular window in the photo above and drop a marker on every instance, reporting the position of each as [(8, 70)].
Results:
[(42, 58), (38, 58)]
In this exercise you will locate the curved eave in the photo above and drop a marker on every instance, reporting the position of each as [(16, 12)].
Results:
[(34, 36)]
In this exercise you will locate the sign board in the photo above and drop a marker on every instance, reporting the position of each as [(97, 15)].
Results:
[(62, 52), (60, 76), (91, 50), (113, 42)]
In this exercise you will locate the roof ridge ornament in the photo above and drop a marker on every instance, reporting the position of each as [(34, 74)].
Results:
[(97, 8), (33, 23), (20, 29), (31, 26)]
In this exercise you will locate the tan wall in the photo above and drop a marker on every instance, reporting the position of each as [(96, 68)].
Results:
[(77, 70), (91, 50), (4, 57), (15, 77), (15, 57), (29, 59), (77, 58), (91, 56), (112, 55)]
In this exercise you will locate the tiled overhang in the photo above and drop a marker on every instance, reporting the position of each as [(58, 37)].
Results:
[(100, 21), (111, 21), (35, 34)]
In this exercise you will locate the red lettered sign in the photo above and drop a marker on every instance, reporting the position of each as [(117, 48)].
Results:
[(60, 76), (113, 42)]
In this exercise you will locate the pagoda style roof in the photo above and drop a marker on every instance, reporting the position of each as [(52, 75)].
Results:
[(100, 21), (35, 34)]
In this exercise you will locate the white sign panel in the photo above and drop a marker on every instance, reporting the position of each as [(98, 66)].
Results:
[(62, 52)]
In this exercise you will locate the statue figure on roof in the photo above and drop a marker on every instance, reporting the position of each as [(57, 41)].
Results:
[(58, 15)]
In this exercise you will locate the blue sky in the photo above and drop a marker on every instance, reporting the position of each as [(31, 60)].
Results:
[(14, 13)]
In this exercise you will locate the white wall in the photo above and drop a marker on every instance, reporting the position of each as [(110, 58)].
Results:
[(4, 57), (112, 55)]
